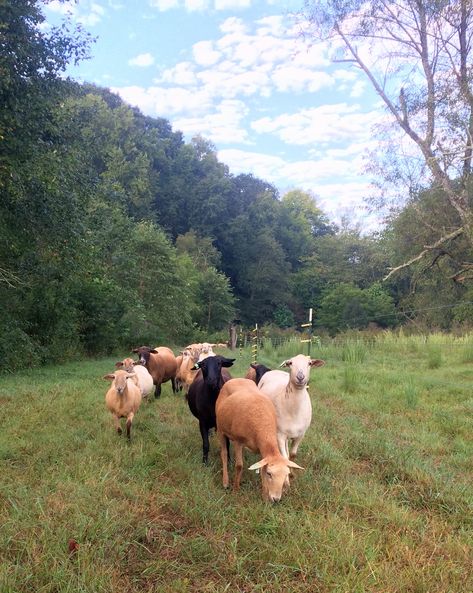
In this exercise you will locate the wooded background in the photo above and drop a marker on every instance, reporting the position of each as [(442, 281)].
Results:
[(114, 230)]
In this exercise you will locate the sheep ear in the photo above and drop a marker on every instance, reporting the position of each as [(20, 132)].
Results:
[(110, 376), (118, 364), (286, 363), (154, 351), (294, 465), (227, 362), (135, 350), (316, 362), (258, 464)]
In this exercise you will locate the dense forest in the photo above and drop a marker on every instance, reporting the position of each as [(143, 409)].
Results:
[(115, 231)]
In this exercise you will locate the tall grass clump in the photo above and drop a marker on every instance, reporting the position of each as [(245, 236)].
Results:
[(350, 378), (354, 352), (411, 393), (466, 349), (434, 357)]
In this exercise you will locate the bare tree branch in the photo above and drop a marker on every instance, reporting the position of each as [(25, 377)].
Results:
[(427, 249)]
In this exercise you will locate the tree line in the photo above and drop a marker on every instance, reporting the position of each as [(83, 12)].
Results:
[(115, 231)]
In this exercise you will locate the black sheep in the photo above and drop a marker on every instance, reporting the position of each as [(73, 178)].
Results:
[(203, 394)]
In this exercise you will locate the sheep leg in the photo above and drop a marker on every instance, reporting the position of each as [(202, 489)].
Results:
[(282, 444), (116, 423), (238, 465), (129, 421), (205, 442), (224, 457), (157, 391), (174, 385), (294, 447)]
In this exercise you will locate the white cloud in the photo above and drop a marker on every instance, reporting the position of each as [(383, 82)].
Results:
[(232, 4), (68, 7), (196, 5), (221, 126), (142, 60), (291, 78), (272, 25), (233, 25), (90, 13), (166, 102), (205, 54), (163, 5), (182, 74), (320, 125)]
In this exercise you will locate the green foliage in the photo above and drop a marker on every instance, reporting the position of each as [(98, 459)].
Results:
[(215, 299), (347, 306), (283, 317), (114, 231)]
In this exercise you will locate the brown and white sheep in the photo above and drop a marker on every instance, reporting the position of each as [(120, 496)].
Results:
[(161, 365), (123, 399), (247, 418)]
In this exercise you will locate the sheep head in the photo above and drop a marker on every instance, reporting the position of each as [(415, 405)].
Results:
[(119, 379), (144, 353), (299, 368), (274, 476)]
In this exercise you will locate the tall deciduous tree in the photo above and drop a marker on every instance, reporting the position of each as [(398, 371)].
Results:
[(417, 55)]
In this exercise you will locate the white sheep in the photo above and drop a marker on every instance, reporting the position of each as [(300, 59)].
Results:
[(122, 399), (206, 351), (142, 378), (288, 392), (247, 418)]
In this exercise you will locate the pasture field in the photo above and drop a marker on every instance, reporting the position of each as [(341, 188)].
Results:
[(385, 503)]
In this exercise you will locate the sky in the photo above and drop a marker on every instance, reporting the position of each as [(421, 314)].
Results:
[(240, 74)]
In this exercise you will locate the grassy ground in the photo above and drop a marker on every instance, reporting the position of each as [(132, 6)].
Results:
[(384, 505)]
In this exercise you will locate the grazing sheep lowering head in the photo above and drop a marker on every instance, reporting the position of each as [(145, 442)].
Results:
[(274, 476)]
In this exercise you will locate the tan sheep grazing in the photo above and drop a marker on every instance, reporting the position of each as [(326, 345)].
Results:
[(247, 417), (122, 399)]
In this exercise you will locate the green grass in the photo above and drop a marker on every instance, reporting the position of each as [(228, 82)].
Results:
[(385, 503)]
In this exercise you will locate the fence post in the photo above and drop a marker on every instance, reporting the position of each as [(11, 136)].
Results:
[(254, 344), (309, 325)]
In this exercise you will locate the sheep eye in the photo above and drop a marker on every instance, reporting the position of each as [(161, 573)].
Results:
[(269, 474)]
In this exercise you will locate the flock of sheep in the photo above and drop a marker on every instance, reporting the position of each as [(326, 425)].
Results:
[(267, 411)]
